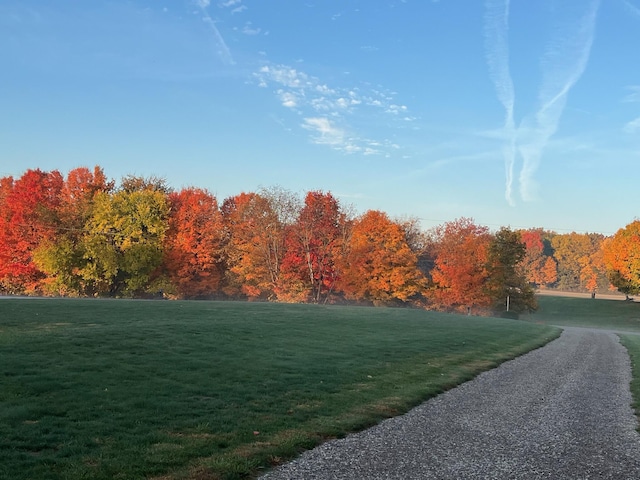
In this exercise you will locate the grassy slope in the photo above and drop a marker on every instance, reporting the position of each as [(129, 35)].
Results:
[(134, 389)]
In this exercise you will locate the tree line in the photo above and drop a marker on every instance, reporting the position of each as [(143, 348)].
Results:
[(83, 235)]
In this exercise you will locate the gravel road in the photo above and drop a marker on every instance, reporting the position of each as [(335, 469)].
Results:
[(559, 412)]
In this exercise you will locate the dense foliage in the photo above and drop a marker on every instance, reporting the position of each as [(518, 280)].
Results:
[(81, 235)]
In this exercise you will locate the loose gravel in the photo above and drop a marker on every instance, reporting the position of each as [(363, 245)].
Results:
[(560, 412)]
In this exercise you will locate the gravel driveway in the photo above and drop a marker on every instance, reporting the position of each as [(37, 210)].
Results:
[(560, 412)]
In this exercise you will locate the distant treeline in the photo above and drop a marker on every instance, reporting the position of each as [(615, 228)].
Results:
[(83, 235)]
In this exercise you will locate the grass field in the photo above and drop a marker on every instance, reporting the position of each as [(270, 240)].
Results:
[(107, 389), (586, 312)]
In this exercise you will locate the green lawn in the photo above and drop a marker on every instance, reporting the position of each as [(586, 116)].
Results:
[(104, 389), (586, 312), (632, 344)]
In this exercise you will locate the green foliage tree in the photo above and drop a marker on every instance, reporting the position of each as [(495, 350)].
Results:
[(507, 283), (123, 242)]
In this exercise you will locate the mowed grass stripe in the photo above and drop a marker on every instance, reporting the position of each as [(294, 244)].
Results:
[(108, 389), (632, 344)]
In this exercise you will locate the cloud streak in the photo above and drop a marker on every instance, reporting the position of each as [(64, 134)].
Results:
[(562, 64)]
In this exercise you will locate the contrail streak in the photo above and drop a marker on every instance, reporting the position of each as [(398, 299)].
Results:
[(223, 49), (497, 48), (562, 65), (631, 7)]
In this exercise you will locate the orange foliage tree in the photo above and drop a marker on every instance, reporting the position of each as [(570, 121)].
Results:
[(254, 227), (621, 257), (539, 267), (549, 274), (460, 273), (193, 249), (378, 265)]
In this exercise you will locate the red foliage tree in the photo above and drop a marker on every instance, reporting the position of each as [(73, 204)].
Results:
[(313, 246), (194, 243), (76, 200), (29, 216)]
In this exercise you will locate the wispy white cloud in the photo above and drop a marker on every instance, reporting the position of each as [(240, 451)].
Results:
[(323, 107), (249, 29), (634, 96), (562, 65), (326, 133), (289, 99), (633, 126), (223, 50)]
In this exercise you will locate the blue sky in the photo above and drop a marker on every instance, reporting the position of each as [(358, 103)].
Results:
[(515, 113)]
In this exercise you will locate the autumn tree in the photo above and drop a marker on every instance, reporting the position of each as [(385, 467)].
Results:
[(29, 217), (538, 264), (621, 257), (136, 183), (549, 273), (420, 243), (460, 273), (577, 260), (62, 257), (507, 283), (255, 226), (379, 265), (193, 251), (124, 240), (313, 246), (6, 186)]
